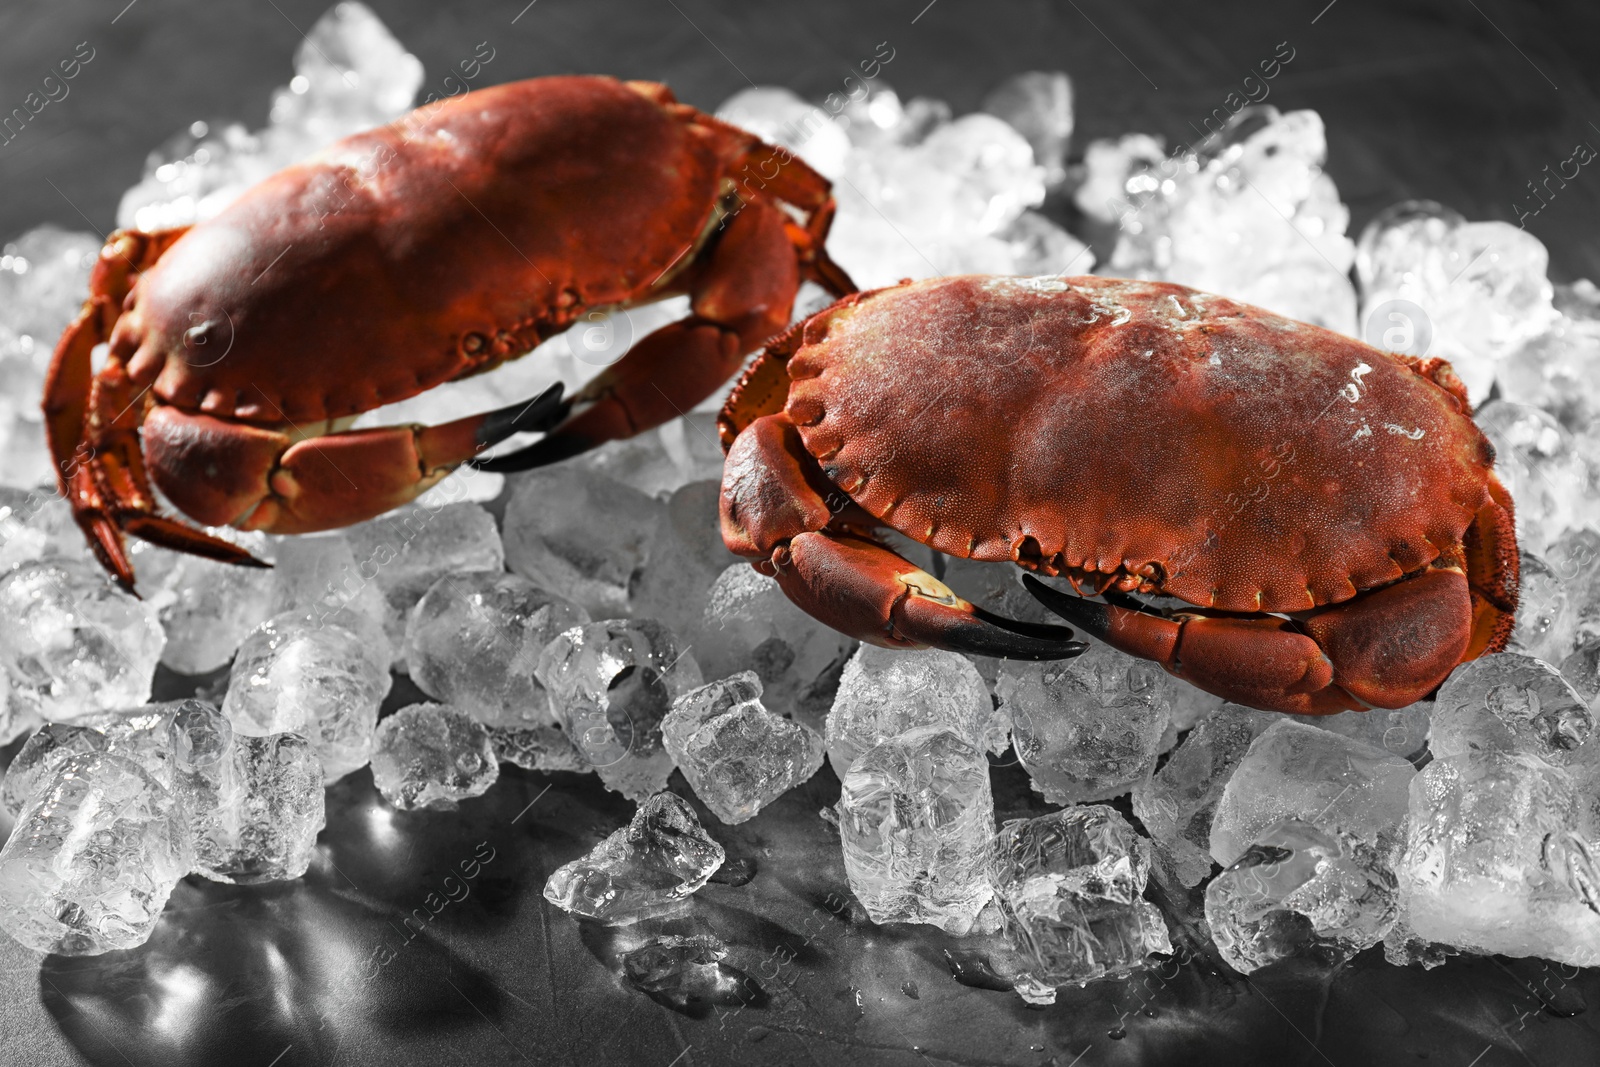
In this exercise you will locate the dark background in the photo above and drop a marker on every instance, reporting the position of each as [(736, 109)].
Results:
[(1463, 101)]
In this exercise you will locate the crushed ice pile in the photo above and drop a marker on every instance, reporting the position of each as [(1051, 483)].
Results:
[(599, 626)]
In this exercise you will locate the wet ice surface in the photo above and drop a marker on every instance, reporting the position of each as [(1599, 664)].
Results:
[(1070, 887), (406, 550), (432, 756), (647, 868), (916, 816)]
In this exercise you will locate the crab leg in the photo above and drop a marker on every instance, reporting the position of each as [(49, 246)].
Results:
[(775, 510), (741, 296), (266, 479), (91, 422)]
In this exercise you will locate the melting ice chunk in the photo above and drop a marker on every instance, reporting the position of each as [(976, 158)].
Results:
[(579, 534), (1070, 886), (1300, 891), (750, 625), (474, 640), (1086, 728), (1176, 803), (1508, 702), (647, 868), (322, 681), (73, 643), (139, 734), (254, 804), (737, 755), (93, 858), (431, 756), (1491, 864), (885, 692), (611, 683), (406, 550), (1328, 780), (917, 820)]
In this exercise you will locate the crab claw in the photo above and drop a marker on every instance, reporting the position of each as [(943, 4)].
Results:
[(861, 588), (1260, 661)]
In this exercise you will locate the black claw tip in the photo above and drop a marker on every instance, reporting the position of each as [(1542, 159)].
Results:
[(1087, 614), (993, 635), (538, 415)]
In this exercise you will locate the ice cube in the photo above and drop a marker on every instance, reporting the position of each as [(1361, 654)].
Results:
[(319, 576), (73, 643), (1489, 864), (579, 534), (94, 855), (1509, 702), (1326, 779), (917, 821), (1176, 804), (1401, 732), (750, 625), (1536, 458), (1038, 246), (1086, 728), (1575, 560), (207, 608), (410, 548), (687, 974), (254, 804), (1582, 669), (1117, 176), (36, 524), (321, 681), (139, 734), (536, 748), (1547, 620), (474, 640), (1070, 886), (611, 683), (1300, 891), (683, 561), (350, 74), (44, 277), (885, 692), (1558, 369), (661, 461), (1480, 288), (648, 868), (432, 756), (1038, 105), (738, 756), (1254, 218)]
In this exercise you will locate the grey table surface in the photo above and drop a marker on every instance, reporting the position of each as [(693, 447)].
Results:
[(1464, 102)]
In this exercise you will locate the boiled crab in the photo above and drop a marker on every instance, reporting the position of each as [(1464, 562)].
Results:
[(1325, 514), (460, 236)]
